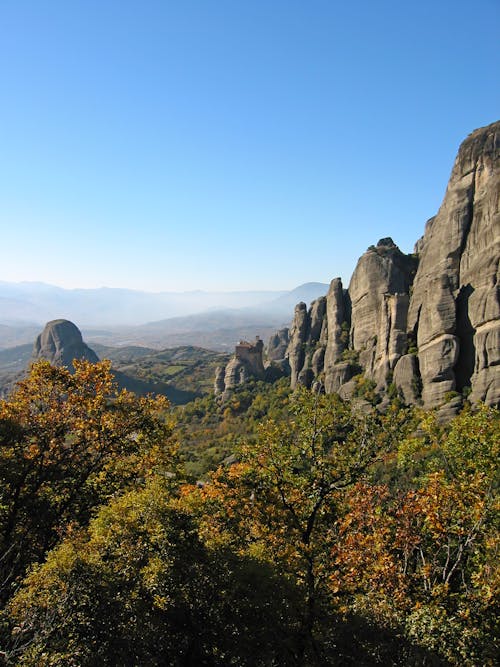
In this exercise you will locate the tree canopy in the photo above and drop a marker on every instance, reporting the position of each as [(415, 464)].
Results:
[(334, 534)]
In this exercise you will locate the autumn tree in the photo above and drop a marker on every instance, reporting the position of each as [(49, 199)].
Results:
[(69, 442), (425, 560), (279, 503), (138, 587)]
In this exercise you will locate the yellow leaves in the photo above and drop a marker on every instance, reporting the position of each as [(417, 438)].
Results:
[(161, 602), (464, 613), (152, 573), (32, 451), (69, 443), (424, 547)]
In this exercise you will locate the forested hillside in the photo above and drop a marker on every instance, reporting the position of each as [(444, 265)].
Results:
[(330, 536)]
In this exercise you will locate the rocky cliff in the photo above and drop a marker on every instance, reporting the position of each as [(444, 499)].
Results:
[(277, 345), (426, 325), (455, 306), (247, 362), (60, 342), (306, 349)]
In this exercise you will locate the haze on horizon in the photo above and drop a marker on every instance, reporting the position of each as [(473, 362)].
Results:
[(230, 146)]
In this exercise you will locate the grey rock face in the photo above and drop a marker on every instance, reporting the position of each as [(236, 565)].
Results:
[(370, 318), (307, 342), (455, 306), (485, 381), (338, 319), (246, 363), (60, 342), (347, 390), (342, 372), (407, 378), (298, 337), (235, 374), (379, 291), (318, 361), (392, 339), (277, 345), (306, 377), (219, 383), (316, 317)]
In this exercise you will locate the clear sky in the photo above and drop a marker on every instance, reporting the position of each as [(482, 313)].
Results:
[(230, 144)]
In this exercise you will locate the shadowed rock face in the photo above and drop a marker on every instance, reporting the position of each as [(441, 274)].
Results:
[(60, 342), (338, 321), (277, 345), (296, 347)]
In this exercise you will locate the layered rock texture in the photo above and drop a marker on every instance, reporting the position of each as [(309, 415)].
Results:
[(60, 343), (425, 325)]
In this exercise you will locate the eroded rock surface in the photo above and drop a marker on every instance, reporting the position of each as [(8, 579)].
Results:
[(455, 306), (379, 294), (247, 362), (337, 325), (308, 337), (277, 345), (426, 325), (60, 343), (298, 337)]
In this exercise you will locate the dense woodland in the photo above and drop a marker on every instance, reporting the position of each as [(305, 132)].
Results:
[(276, 528)]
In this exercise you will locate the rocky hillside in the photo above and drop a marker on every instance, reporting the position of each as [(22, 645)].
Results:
[(424, 325), (140, 370)]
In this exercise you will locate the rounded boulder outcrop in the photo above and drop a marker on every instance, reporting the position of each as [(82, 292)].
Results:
[(60, 343)]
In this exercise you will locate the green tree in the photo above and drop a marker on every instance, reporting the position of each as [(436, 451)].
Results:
[(139, 588), (280, 502)]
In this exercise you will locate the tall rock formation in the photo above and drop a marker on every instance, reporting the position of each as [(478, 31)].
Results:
[(337, 328), (424, 325), (60, 342), (306, 349), (247, 362), (379, 294), (427, 324), (359, 329), (455, 307)]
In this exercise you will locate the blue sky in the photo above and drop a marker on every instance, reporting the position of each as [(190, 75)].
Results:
[(230, 144)]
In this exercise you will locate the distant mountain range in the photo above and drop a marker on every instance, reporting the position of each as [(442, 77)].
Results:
[(118, 316), (37, 302)]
